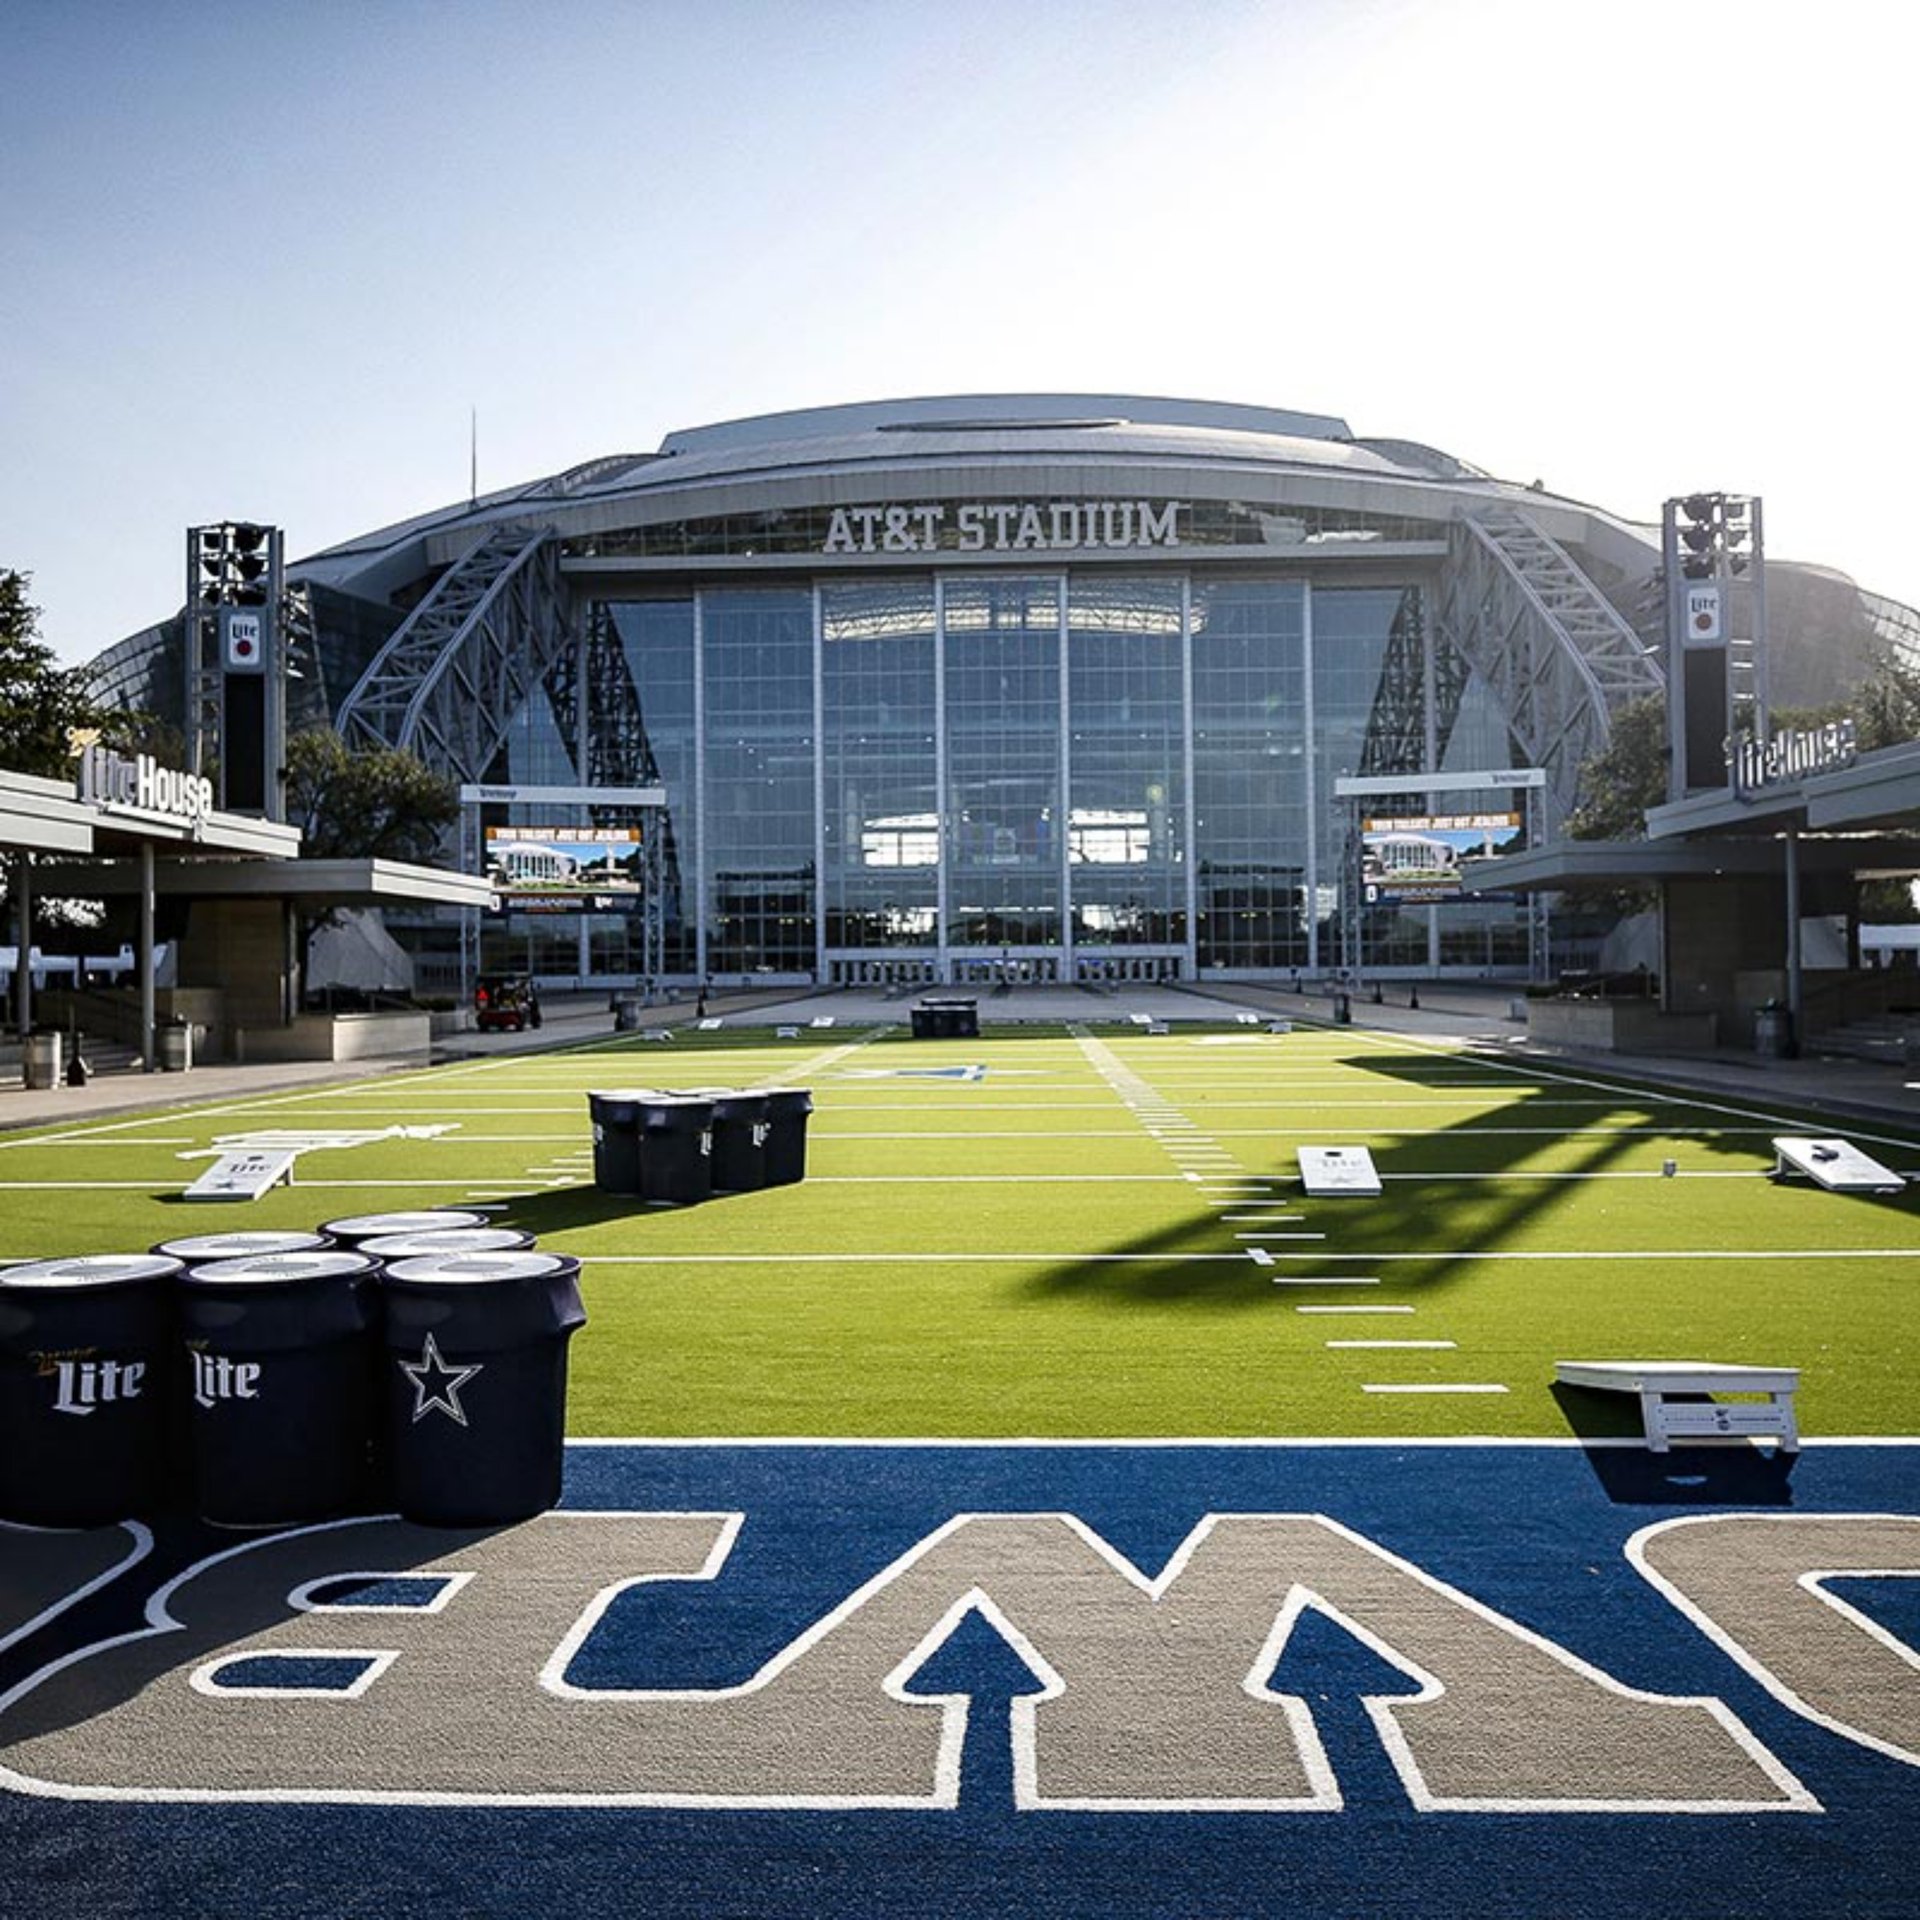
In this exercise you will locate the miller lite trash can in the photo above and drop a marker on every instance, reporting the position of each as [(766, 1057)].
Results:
[(370, 1226), (616, 1140), (676, 1149), (785, 1154), (84, 1348), (476, 1383), (739, 1157), (390, 1247), (279, 1385), (199, 1249)]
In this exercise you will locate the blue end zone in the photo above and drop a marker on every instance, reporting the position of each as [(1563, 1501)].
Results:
[(1536, 1533)]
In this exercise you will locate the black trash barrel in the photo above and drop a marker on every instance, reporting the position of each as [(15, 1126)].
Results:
[(616, 1139), (739, 1139), (280, 1385), (415, 1246), (676, 1150), (199, 1248), (784, 1158), (369, 1226), (1342, 1010), (84, 1346), (476, 1393)]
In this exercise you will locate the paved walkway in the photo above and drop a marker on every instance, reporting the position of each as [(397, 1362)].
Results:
[(1855, 1089)]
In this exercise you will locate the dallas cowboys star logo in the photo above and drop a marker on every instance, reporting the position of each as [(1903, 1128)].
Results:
[(435, 1384)]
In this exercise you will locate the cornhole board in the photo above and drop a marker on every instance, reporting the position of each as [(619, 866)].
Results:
[(1837, 1165), (821, 1020), (243, 1176), (1279, 1026), (1339, 1172), (1246, 1019), (1667, 1420), (1156, 1026), (786, 1033), (709, 1026), (656, 1033)]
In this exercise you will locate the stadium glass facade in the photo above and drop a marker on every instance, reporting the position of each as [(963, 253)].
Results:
[(1054, 775), (1041, 686)]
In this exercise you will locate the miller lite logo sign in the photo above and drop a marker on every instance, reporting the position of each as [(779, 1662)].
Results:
[(242, 640), (83, 1384), (1703, 627)]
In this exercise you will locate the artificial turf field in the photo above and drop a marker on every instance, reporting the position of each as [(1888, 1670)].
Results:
[(1081, 1256)]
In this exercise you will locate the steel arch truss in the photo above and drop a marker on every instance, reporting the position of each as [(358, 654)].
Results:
[(448, 685), (1559, 658)]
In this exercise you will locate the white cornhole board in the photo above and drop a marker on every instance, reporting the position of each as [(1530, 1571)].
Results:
[(1669, 1420), (1246, 1019), (821, 1020), (656, 1033), (1156, 1026), (1141, 1019), (786, 1033), (242, 1176), (709, 1026), (1837, 1165), (1339, 1172), (1279, 1026)]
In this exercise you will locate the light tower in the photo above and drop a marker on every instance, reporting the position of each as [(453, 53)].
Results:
[(236, 718), (1715, 571)]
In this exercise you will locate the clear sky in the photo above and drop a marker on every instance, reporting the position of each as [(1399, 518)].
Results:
[(260, 261)]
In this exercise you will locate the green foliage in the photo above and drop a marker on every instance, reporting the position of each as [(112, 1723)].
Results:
[(1886, 706), (41, 703), (1629, 775), (379, 803)]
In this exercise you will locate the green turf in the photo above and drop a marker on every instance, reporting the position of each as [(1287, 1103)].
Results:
[(1017, 1254)]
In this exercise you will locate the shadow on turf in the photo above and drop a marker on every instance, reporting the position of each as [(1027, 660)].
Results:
[(1635, 1476), (1460, 1217)]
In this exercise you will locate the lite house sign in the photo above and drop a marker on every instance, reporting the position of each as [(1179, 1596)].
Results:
[(115, 784)]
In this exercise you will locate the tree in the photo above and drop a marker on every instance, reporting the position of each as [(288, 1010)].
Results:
[(378, 803), (369, 803), (1626, 777), (41, 704)]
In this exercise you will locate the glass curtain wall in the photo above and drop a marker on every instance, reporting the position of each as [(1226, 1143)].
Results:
[(756, 646), (656, 636), (1251, 801), (1127, 821), (880, 820), (1004, 802), (1091, 805)]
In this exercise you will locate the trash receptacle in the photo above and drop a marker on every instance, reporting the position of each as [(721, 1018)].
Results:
[(784, 1157), (415, 1246), (1773, 1031), (739, 1154), (370, 1226), (43, 1059), (616, 1139), (476, 1395), (626, 1016), (198, 1249), (84, 1345), (176, 1048), (280, 1384), (676, 1149), (1342, 1010)]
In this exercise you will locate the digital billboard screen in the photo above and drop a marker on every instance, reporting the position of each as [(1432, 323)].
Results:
[(1414, 859), (564, 869)]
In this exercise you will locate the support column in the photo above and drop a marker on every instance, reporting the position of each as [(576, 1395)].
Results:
[(1794, 982), (23, 951), (149, 1060)]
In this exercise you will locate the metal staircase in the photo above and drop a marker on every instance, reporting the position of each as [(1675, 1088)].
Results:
[(449, 684), (1558, 655)]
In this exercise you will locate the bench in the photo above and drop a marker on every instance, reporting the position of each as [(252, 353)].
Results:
[(1667, 1419), (1837, 1165)]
